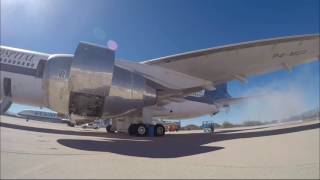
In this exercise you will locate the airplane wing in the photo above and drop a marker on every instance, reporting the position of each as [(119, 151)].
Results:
[(237, 62)]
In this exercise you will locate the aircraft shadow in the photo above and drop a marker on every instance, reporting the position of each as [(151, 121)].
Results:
[(170, 146), (53, 131), (173, 145), (228, 131)]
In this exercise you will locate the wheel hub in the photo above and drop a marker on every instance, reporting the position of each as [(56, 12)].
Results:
[(141, 130), (159, 130)]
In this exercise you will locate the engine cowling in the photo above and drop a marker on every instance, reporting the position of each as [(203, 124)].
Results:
[(90, 85), (129, 91)]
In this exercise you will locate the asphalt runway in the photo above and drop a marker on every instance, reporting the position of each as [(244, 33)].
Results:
[(37, 149)]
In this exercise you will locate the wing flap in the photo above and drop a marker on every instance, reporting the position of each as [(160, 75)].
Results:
[(163, 76)]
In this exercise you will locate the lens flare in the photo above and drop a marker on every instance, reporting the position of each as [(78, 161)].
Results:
[(112, 45)]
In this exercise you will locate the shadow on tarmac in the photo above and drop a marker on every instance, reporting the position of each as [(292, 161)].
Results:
[(230, 131), (170, 146)]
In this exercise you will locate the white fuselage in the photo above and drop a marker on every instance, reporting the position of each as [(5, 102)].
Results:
[(24, 72), (184, 110)]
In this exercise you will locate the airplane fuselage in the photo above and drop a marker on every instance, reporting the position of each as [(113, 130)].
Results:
[(22, 74)]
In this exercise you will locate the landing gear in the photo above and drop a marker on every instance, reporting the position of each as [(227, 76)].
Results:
[(159, 130), (142, 130), (145, 130), (110, 129), (69, 124), (133, 129)]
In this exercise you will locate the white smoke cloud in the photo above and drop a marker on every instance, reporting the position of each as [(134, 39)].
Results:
[(283, 98), (275, 104)]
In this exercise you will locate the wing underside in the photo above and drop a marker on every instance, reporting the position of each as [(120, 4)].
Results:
[(237, 62)]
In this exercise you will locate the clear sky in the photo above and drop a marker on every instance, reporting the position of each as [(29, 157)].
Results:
[(146, 29)]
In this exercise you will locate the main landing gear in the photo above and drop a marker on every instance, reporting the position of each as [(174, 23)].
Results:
[(110, 129), (146, 130)]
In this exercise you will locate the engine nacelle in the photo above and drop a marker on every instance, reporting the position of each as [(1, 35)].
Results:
[(57, 83), (129, 91), (90, 85), (90, 79)]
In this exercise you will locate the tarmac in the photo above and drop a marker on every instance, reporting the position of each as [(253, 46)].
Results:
[(41, 150)]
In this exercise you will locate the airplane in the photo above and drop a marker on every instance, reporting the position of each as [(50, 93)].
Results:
[(90, 84)]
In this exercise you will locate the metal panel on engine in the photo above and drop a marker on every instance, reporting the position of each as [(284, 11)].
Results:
[(56, 76), (91, 70), (128, 92), (90, 78)]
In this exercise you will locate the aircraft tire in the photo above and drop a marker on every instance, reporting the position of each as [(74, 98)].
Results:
[(69, 124), (109, 129), (141, 129), (132, 130), (159, 130)]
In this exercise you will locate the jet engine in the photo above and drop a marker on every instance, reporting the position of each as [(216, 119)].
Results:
[(89, 85)]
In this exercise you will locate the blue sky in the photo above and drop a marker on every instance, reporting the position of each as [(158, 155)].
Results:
[(147, 29)]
